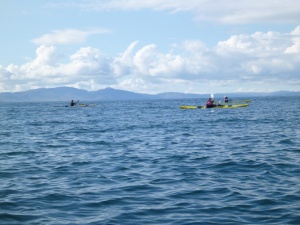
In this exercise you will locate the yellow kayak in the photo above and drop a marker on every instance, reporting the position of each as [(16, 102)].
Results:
[(87, 105), (229, 106)]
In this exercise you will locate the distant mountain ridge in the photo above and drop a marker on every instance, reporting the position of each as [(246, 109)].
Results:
[(69, 93)]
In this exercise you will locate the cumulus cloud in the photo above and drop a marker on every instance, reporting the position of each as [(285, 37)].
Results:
[(295, 47), (67, 36), (262, 55), (88, 66), (122, 64), (257, 59)]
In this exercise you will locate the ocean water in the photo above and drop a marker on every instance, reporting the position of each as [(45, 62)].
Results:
[(150, 162)]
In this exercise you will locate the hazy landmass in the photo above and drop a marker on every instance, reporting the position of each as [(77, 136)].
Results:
[(68, 93)]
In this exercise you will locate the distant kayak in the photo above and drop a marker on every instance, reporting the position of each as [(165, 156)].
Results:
[(87, 105), (76, 106), (227, 106)]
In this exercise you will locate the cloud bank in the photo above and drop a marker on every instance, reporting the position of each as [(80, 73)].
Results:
[(254, 60), (220, 11)]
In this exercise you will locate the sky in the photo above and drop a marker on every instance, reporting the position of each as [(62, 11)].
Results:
[(151, 46)]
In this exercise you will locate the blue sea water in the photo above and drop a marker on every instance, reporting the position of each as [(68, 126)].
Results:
[(150, 162)]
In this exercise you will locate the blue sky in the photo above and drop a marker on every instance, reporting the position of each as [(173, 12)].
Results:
[(151, 46)]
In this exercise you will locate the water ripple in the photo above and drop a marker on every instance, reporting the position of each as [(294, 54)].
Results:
[(150, 162)]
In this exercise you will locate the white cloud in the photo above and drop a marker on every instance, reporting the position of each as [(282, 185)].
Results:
[(67, 36), (88, 67), (295, 47), (122, 64), (145, 59), (134, 84), (149, 63), (229, 11), (257, 59)]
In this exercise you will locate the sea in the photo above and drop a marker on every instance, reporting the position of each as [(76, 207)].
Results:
[(150, 162)]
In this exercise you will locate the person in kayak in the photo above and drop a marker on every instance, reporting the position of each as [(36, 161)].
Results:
[(73, 103), (226, 99), (210, 103)]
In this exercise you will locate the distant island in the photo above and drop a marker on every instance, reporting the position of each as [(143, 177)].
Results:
[(69, 93)]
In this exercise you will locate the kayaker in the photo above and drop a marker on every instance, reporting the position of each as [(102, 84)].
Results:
[(73, 103), (210, 103), (226, 99)]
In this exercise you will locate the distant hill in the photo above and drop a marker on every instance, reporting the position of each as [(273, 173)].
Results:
[(114, 94), (69, 93)]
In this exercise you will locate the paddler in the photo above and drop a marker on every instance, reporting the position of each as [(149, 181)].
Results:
[(225, 99), (73, 103), (210, 103)]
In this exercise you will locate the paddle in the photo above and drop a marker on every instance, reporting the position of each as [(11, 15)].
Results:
[(212, 97), (219, 104)]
